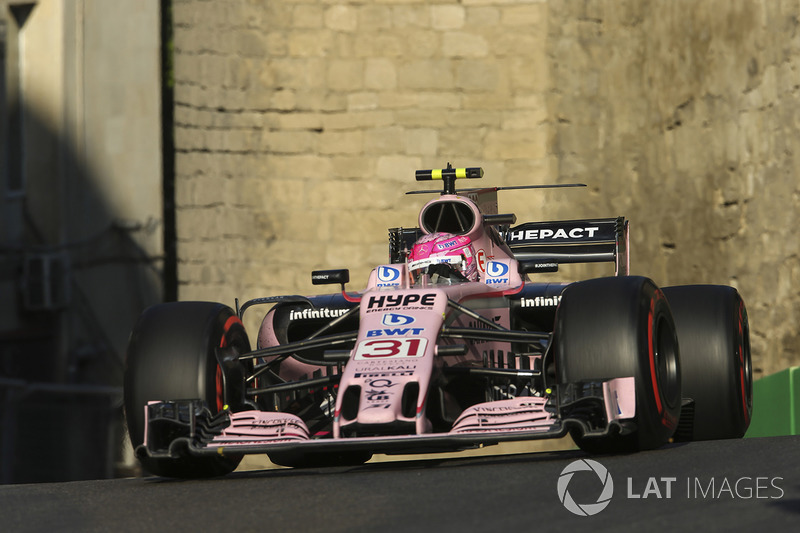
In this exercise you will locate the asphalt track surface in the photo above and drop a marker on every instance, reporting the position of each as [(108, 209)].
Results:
[(734, 485)]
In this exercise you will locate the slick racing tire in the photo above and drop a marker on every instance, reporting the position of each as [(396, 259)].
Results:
[(619, 327), (172, 356), (716, 370)]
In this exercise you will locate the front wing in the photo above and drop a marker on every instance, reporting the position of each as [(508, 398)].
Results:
[(186, 427)]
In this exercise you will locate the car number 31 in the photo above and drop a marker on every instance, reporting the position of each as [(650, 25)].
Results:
[(391, 348)]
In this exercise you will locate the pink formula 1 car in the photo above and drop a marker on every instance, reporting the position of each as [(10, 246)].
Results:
[(449, 347)]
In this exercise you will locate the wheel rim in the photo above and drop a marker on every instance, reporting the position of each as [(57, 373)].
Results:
[(745, 369), (666, 363), (233, 339), (219, 387)]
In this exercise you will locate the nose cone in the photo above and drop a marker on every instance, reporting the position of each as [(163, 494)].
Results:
[(384, 384), (380, 406)]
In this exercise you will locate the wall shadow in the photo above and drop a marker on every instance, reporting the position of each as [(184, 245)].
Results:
[(75, 279)]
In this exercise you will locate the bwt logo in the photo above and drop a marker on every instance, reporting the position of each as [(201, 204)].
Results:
[(395, 319), (496, 273), (585, 509), (388, 274), (496, 269)]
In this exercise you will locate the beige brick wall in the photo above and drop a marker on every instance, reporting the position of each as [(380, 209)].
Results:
[(683, 116), (300, 125)]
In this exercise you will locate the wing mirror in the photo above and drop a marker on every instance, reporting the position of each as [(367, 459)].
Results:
[(330, 277)]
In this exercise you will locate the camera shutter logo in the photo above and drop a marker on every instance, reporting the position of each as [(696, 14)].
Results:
[(585, 509)]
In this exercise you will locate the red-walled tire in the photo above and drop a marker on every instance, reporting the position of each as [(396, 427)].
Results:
[(716, 371), (172, 356), (618, 327)]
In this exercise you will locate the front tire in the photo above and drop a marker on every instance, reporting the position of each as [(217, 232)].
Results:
[(618, 327), (172, 355)]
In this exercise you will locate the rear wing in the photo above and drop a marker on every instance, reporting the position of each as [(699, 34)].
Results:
[(542, 246)]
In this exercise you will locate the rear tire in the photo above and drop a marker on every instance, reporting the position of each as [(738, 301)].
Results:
[(716, 369), (172, 356), (618, 327)]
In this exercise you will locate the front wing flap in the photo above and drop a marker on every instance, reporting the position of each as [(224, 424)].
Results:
[(178, 428)]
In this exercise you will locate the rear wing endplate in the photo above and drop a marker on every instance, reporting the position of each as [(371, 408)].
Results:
[(542, 246)]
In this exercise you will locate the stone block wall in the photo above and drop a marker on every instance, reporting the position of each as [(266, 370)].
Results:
[(684, 116), (299, 125)]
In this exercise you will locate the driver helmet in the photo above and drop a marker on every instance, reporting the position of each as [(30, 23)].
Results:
[(445, 256)]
